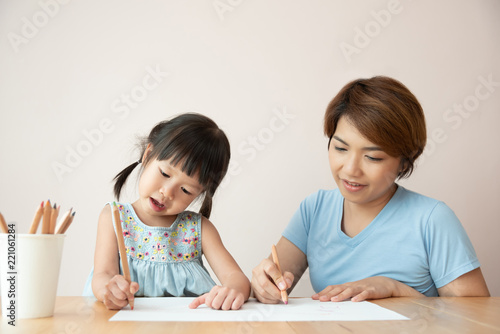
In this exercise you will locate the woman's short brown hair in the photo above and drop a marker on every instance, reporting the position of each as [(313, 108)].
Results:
[(386, 113)]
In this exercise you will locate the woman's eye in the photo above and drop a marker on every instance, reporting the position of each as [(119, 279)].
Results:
[(340, 149), (374, 159)]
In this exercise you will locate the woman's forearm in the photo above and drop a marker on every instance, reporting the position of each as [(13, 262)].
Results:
[(403, 290)]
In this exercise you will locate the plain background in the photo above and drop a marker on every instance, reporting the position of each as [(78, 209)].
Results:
[(81, 80)]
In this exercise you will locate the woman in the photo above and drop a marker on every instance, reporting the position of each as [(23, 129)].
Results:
[(372, 238)]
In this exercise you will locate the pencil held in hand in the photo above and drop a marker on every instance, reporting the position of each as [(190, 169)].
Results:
[(121, 248), (284, 295)]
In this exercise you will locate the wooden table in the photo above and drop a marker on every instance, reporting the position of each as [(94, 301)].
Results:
[(428, 315)]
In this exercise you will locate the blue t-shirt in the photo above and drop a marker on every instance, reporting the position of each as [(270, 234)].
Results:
[(415, 240)]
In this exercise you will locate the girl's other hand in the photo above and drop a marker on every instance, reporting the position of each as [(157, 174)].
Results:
[(220, 298), (118, 292), (267, 282)]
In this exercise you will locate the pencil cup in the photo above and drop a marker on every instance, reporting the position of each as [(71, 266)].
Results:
[(29, 272)]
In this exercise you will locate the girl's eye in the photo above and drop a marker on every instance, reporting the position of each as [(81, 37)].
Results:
[(164, 174), (185, 191)]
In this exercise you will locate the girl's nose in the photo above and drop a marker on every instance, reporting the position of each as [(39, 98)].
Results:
[(167, 192)]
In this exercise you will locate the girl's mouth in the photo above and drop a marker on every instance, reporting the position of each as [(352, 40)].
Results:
[(157, 206)]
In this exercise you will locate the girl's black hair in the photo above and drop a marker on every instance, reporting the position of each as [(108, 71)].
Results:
[(196, 142)]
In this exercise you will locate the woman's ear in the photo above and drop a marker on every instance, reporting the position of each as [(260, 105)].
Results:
[(403, 167)]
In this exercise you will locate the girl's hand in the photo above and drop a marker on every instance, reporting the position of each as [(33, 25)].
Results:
[(267, 282), (118, 292), (220, 298), (376, 287)]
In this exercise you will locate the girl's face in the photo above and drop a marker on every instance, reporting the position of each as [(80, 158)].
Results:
[(165, 190), (363, 172)]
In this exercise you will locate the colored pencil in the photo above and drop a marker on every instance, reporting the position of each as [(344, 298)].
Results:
[(69, 222), (53, 218), (64, 222), (3, 225), (47, 213), (121, 248), (36, 219), (284, 295)]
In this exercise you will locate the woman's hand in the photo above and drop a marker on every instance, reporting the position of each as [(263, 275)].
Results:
[(220, 298), (267, 282), (118, 292), (376, 287)]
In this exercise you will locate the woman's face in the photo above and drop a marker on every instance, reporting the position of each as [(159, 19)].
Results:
[(364, 173)]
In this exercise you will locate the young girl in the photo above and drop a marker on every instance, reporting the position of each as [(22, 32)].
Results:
[(183, 159), (371, 238)]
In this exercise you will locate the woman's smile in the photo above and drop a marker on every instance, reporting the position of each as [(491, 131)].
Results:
[(352, 186)]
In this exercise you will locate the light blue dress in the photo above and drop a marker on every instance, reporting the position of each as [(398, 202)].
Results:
[(165, 261)]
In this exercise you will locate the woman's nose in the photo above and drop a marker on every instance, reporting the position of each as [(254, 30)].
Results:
[(352, 165)]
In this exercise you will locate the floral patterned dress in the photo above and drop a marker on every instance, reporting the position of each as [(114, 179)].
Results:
[(165, 261)]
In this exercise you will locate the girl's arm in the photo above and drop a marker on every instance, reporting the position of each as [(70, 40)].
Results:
[(471, 284), (108, 285), (235, 289)]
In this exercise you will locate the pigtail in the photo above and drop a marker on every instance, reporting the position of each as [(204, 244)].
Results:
[(206, 207), (121, 177)]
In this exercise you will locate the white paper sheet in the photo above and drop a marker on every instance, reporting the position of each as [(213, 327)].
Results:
[(298, 309)]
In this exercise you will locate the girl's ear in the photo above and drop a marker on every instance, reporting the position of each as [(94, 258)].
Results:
[(147, 152)]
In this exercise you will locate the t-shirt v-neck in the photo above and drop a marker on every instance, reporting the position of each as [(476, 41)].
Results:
[(372, 226)]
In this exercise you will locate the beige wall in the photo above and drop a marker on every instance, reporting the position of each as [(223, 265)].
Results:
[(264, 70)]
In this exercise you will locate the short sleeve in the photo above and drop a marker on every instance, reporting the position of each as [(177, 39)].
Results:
[(297, 230), (449, 249)]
